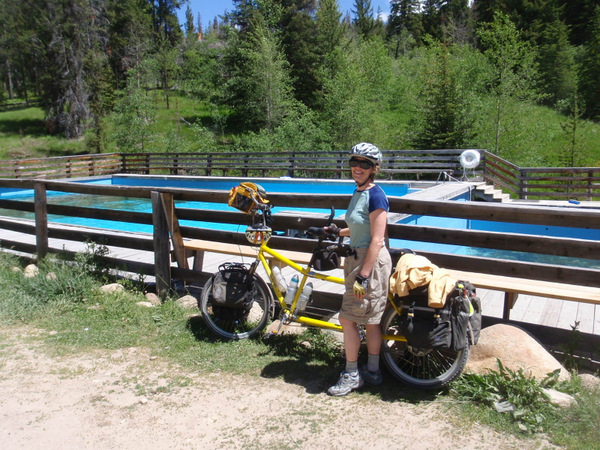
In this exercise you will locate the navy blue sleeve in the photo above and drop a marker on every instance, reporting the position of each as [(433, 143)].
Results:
[(378, 200)]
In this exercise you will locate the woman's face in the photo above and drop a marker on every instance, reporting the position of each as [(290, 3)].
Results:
[(359, 173)]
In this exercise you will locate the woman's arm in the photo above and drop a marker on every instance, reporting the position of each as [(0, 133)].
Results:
[(378, 220)]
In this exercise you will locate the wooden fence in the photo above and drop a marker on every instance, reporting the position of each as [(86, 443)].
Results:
[(562, 183), (159, 245)]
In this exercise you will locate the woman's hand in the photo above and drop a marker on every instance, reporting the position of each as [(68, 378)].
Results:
[(361, 286)]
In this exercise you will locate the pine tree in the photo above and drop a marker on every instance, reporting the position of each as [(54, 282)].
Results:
[(590, 72), (557, 63), (299, 39), (191, 34), (514, 73), (574, 152), (130, 29), (271, 93), (444, 121), (404, 24), (363, 21)]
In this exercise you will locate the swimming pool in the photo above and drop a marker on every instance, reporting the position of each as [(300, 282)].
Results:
[(284, 185), (502, 227), (271, 185)]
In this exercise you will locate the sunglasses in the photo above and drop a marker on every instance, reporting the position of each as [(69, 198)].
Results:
[(362, 163)]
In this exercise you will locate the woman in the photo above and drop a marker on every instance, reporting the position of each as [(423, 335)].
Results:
[(367, 276)]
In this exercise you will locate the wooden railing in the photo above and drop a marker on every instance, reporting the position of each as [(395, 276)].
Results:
[(62, 166), (396, 164), (562, 183), (540, 245)]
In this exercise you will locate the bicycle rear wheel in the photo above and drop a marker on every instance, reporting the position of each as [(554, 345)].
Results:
[(235, 324), (423, 368)]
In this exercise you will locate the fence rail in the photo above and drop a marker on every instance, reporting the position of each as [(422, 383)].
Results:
[(62, 166), (578, 183), (42, 229)]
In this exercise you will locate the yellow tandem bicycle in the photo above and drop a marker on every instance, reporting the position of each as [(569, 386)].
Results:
[(425, 368)]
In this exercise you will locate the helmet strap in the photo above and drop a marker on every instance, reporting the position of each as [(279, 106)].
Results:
[(363, 184)]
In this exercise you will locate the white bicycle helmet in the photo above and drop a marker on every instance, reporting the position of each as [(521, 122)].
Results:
[(367, 151)]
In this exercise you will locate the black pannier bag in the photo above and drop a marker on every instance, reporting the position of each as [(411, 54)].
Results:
[(326, 260), (446, 328), (423, 326), (475, 314), (331, 259), (459, 309), (232, 291)]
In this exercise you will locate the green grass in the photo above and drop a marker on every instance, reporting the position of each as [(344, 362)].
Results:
[(23, 135), (65, 300)]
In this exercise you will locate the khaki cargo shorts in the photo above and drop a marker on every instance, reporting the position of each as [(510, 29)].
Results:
[(370, 309)]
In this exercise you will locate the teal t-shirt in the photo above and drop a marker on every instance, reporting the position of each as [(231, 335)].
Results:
[(357, 216)]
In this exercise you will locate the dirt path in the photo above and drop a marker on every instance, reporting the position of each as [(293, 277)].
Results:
[(127, 400)]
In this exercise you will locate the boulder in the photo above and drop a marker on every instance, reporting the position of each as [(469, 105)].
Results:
[(291, 328), (153, 298), (589, 381), (145, 304), (112, 288), (31, 271), (560, 399), (188, 302), (516, 349)]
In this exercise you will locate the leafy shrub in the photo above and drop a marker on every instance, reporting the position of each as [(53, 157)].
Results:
[(509, 392)]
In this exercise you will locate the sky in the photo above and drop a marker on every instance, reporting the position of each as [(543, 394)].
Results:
[(209, 9)]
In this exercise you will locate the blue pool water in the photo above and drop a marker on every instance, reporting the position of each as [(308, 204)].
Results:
[(501, 227), (297, 186), (271, 185)]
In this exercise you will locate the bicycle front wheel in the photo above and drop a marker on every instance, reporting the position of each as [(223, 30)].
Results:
[(235, 324), (424, 368)]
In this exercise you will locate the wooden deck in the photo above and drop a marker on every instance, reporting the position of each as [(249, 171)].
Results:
[(547, 312)]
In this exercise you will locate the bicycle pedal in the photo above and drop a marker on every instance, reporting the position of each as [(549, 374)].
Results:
[(269, 335)]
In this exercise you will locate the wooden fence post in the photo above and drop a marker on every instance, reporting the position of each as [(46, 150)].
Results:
[(162, 260), (173, 224), (41, 218), (523, 184)]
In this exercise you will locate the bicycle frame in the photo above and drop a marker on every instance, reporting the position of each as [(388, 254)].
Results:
[(289, 312)]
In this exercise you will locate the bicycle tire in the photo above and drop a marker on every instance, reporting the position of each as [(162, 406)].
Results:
[(246, 327), (421, 368)]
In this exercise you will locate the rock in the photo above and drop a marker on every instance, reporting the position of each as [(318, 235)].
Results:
[(153, 298), (292, 328), (16, 269), (31, 271), (112, 288), (51, 276), (188, 302), (560, 399), (589, 381), (145, 304), (516, 349)]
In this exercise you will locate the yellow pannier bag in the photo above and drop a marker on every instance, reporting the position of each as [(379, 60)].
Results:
[(247, 196)]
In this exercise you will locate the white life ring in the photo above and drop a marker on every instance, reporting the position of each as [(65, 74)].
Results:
[(469, 159)]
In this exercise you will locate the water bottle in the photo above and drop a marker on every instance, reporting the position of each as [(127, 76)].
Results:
[(290, 293), (279, 280), (304, 296)]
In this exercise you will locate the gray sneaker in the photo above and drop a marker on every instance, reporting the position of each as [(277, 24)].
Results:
[(373, 378), (346, 384)]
